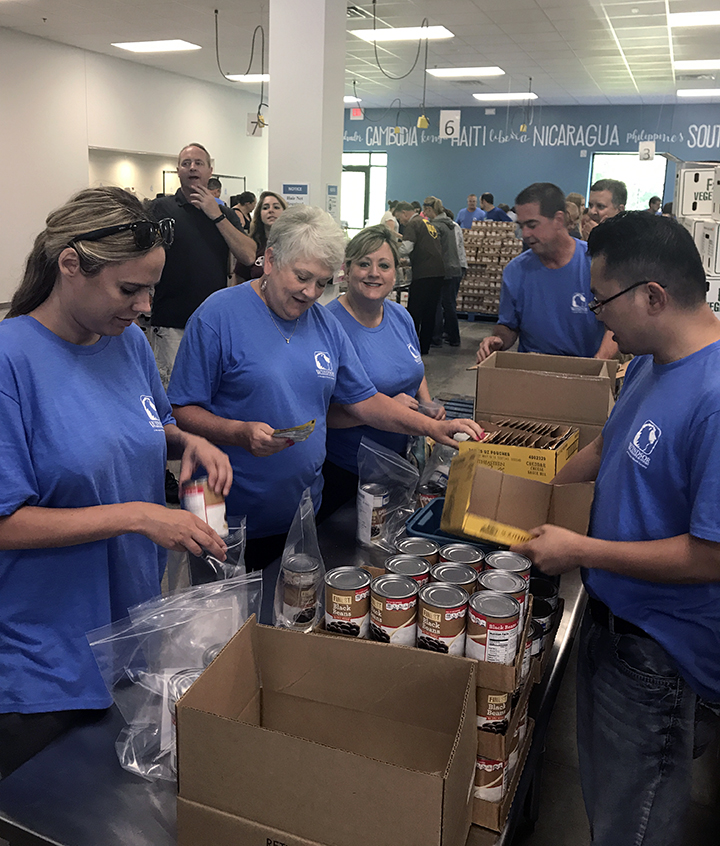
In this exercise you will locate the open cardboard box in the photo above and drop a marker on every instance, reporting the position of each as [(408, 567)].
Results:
[(549, 388), (490, 505), (322, 740), (497, 746)]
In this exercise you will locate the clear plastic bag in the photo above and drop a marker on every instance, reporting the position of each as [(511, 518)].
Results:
[(437, 468), (386, 494), (299, 590), (206, 568), (150, 659)]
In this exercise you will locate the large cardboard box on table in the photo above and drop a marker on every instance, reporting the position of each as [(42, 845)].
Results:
[(305, 740)]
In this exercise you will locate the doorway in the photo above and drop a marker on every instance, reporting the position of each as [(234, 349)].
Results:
[(363, 190), (643, 179)]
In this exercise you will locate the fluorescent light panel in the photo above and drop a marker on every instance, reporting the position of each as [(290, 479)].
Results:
[(698, 92), (348, 98), (699, 65), (466, 73), (509, 97), (170, 46), (249, 77), (403, 33), (694, 19)]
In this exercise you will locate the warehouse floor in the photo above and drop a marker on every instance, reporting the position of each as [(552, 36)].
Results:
[(562, 819)]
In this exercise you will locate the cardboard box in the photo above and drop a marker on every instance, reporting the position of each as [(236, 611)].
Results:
[(550, 388), (497, 746), (340, 742), (713, 294), (710, 252), (694, 226), (694, 189), (492, 815), (716, 194), (486, 504)]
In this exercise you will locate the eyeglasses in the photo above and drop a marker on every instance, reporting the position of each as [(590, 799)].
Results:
[(146, 233), (595, 304)]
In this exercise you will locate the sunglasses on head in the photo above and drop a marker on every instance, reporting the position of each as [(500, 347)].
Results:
[(146, 233)]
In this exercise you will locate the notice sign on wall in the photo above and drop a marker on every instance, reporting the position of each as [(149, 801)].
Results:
[(296, 193), (449, 123), (331, 202)]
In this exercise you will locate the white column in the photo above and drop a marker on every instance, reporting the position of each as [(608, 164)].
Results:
[(307, 82)]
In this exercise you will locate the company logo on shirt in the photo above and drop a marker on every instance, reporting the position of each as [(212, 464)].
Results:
[(414, 353), (324, 365), (644, 442), (148, 404), (579, 303), (431, 229)]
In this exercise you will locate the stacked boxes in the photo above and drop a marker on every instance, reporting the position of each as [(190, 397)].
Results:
[(489, 246), (697, 205)]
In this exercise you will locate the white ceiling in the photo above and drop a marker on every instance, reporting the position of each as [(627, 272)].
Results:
[(576, 51)]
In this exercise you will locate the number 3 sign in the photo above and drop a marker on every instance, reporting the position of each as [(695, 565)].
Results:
[(449, 124)]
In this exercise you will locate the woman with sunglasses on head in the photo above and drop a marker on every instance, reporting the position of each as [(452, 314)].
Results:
[(264, 356), (85, 429), (384, 337), (267, 210)]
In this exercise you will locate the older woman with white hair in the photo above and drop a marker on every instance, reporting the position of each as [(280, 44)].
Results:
[(264, 356)]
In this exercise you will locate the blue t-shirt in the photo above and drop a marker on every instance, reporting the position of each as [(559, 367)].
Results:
[(234, 362), (79, 426), (465, 217), (660, 477), (497, 214), (390, 354), (549, 308)]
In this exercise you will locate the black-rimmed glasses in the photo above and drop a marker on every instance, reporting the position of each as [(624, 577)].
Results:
[(146, 233), (595, 304)]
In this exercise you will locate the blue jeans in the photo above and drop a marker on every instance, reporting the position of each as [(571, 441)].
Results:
[(635, 723)]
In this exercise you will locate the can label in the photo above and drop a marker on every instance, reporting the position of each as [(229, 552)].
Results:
[(441, 629), (490, 779), (393, 620), (199, 499), (493, 710), (491, 639), (347, 612), (372, 502), (527, 655)]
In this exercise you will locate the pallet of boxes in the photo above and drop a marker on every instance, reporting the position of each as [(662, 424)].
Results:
[(489, 246)]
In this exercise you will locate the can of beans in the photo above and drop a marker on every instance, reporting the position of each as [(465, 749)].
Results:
[(347, 601), (421, 547), (393, 609), (409, 565), (509, 583), (510, 562), (300, 576), (200, 499), (493, 710), (493, 625), (491, 779), (460, 575), (372, 503), (545, 589), (462, 553), (536, 631), (442, 610), (427, 493), (542, 614), (527, 655)]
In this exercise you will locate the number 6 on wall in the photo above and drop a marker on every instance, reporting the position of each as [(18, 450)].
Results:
[(450, 123)]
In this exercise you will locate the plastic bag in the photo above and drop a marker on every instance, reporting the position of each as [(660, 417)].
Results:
[(386, 495), (149, 660), (206, 568), (437, 468), (299, 590)]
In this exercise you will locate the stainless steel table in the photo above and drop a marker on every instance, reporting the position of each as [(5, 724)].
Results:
[(74, 793)]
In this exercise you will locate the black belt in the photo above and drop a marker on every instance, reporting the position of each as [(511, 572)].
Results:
[(603, 616)]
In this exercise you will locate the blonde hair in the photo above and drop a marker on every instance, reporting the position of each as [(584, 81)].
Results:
[(435, 204)]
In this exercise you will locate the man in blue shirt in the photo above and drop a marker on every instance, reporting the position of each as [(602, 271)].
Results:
[(650, 643), (545, 290), (492, 212), (465, 217)]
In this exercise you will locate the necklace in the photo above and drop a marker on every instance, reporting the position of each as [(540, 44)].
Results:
[(287, 340)]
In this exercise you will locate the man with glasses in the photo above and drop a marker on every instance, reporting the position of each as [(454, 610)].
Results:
[(197, 264), (649, 657), (546, 290)]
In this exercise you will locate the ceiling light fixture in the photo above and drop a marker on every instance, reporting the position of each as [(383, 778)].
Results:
[(248, 77), (510, 97), (698, 92), (403, 33), (699, 65), (466, 73), (170, 46), (694, 19), (348, 98)]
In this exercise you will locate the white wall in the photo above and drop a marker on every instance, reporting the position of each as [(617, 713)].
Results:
[(57, 101)]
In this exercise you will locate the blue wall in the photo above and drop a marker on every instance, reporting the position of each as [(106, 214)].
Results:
[(492, 154)]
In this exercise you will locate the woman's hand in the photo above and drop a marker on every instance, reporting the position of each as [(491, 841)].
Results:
[(442, 431), (407, 401), (178, 530), (257, 439), (198, 451)]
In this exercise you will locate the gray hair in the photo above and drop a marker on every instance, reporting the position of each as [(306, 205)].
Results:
[(310, 233)]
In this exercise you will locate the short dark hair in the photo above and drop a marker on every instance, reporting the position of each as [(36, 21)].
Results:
[(214, 183), (548, 196), (654, 200), (402, 206), (200, 147), (416, 205), (617, 188), (449, 213), (636, 246), (245, 197), (488, 198)]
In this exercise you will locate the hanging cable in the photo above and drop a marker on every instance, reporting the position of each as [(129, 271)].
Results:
[(424, 23), (382, 116), (262, 104)]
